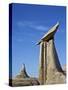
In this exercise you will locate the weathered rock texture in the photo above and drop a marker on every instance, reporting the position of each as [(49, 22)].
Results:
[(55, 74), (50, 69), (25, 82)]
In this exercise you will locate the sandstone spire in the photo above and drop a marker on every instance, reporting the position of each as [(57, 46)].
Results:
[(22, 79), (49, 61), (23, 73)]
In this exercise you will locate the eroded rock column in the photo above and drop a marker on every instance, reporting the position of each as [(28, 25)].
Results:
[(53, 64), (41, 65), (50, 69), (43, 62)]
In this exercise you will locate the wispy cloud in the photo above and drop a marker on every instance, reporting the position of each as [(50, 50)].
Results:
[(33, 25)]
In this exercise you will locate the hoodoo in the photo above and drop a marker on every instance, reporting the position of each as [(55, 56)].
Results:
[(23, 73), (23, 79), (50, 69)]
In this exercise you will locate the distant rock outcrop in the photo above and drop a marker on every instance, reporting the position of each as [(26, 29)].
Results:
[(22, 79), (23, 73)]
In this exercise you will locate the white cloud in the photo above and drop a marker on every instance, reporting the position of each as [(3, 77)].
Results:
[(32, 25), (39, 27)]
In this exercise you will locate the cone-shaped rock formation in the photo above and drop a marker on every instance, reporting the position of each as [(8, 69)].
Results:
[(23, 73), (50, 70), (22, 79)]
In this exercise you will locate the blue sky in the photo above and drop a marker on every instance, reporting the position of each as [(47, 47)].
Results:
[(29, 24)]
